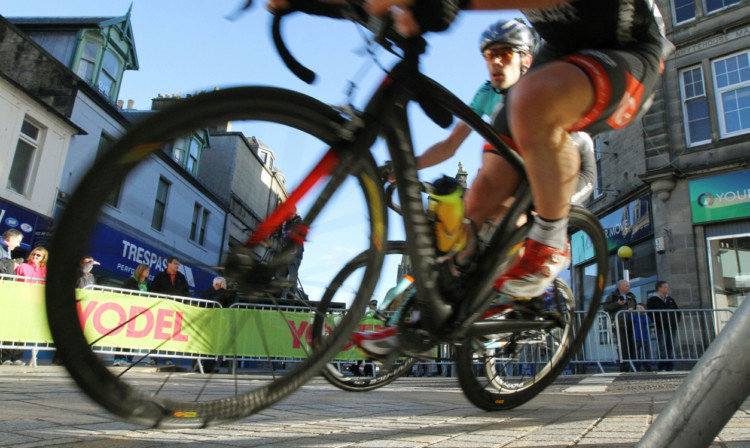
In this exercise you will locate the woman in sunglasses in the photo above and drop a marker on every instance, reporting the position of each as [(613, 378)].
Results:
[(35, 266)]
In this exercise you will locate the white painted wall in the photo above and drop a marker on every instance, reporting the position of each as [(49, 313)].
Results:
[(46, 171)]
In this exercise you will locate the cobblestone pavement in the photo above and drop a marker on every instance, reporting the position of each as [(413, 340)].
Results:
[(42, 407)]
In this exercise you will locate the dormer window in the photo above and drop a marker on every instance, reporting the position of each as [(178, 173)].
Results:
[(100, 68)]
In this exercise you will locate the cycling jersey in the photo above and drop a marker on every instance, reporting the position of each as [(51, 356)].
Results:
[(486, 100), (586, 24)]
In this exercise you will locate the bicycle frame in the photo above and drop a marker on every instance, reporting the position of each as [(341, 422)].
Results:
[(385, 115)]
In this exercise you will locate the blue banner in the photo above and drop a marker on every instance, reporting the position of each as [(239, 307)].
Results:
[(628, 224), (121, 254), (29, 223)]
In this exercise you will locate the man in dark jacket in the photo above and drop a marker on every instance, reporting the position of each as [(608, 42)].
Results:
[(11, 239), (622, 300), (170, 281), (665, 323), (218, 292)]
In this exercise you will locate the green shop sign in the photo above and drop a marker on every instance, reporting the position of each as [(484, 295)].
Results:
[(720, 198)]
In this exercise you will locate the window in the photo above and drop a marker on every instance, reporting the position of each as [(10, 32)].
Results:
[(160, 205), (105, 141), (23, 159), (187, 152), (204, 223), (695, 107), (108, 76), (100, 68), (199, 223), (88, 62), (683, 10), (194, 225), (193, 154), (732, 83), (715, 5)]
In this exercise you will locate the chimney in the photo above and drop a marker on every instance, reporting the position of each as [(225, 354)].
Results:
[(120, 104), (130, 104)]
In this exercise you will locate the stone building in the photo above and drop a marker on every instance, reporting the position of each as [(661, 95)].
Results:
[(674, 187)]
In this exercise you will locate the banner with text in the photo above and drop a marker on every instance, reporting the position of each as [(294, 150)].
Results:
[(128, 321)]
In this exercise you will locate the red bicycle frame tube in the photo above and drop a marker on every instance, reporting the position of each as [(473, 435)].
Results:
[(286, 210)]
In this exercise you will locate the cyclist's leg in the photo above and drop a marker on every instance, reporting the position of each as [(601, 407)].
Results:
[(495, 183), (605, 90), (542, 106)]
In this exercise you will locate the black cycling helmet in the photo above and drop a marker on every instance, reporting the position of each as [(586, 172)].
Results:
[(512, 32)]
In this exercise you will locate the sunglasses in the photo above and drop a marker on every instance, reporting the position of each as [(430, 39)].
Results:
[(503, 53)]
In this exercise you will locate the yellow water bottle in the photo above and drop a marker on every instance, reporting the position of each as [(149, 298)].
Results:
[(446, 208)]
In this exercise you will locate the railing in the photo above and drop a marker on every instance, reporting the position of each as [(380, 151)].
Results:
[(663, 337), (23, 327)]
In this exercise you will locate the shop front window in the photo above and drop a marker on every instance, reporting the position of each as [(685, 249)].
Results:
[(729, 262)]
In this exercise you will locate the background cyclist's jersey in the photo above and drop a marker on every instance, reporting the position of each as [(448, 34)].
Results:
[(591, 24), (485, 100)]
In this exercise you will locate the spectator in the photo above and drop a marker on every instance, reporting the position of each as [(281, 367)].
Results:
[(640, 323), (218, 292), (35, 266), (139, 280), (170, 281), (11, 239), (622, 300), (85, 277), (665, 323)]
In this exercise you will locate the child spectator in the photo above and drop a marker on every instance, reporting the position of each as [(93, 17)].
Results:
[(641, 338)]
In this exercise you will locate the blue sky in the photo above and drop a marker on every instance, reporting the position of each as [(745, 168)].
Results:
[(185, 46)]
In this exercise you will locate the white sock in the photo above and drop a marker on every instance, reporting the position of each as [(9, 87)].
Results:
[(551, 233)]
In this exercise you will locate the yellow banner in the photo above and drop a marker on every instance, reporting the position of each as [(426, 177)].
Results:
[(128, 321)]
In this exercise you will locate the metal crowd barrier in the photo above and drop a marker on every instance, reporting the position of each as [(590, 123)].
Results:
[(647, 348), (695, 331), (34, 347), (142, 354)]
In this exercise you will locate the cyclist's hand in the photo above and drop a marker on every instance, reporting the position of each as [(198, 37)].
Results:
[(404, 20), (277, 5)]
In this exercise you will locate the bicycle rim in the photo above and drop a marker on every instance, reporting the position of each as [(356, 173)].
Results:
[(350, 370), (502, 371), (260, 372)]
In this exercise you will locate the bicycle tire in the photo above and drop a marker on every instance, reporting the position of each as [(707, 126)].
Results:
[(378, 377), (126, 399), (509, 372)]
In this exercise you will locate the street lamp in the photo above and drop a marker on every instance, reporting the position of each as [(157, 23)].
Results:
[(625, 252)]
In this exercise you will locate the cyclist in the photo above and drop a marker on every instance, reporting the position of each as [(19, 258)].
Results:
[(597, 70), (507, 46)]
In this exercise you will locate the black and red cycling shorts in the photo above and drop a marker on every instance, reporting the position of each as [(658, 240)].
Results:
[(624, 83)]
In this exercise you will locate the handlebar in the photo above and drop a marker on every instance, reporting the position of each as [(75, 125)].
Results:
[(384, 33)]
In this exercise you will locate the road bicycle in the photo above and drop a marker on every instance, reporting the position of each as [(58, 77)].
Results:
[(344, 178)]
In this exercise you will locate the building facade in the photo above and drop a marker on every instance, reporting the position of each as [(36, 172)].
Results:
[(674, 186), (161, 209)]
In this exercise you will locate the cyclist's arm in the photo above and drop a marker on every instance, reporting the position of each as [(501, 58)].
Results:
[(512, 4), (444, 150)]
